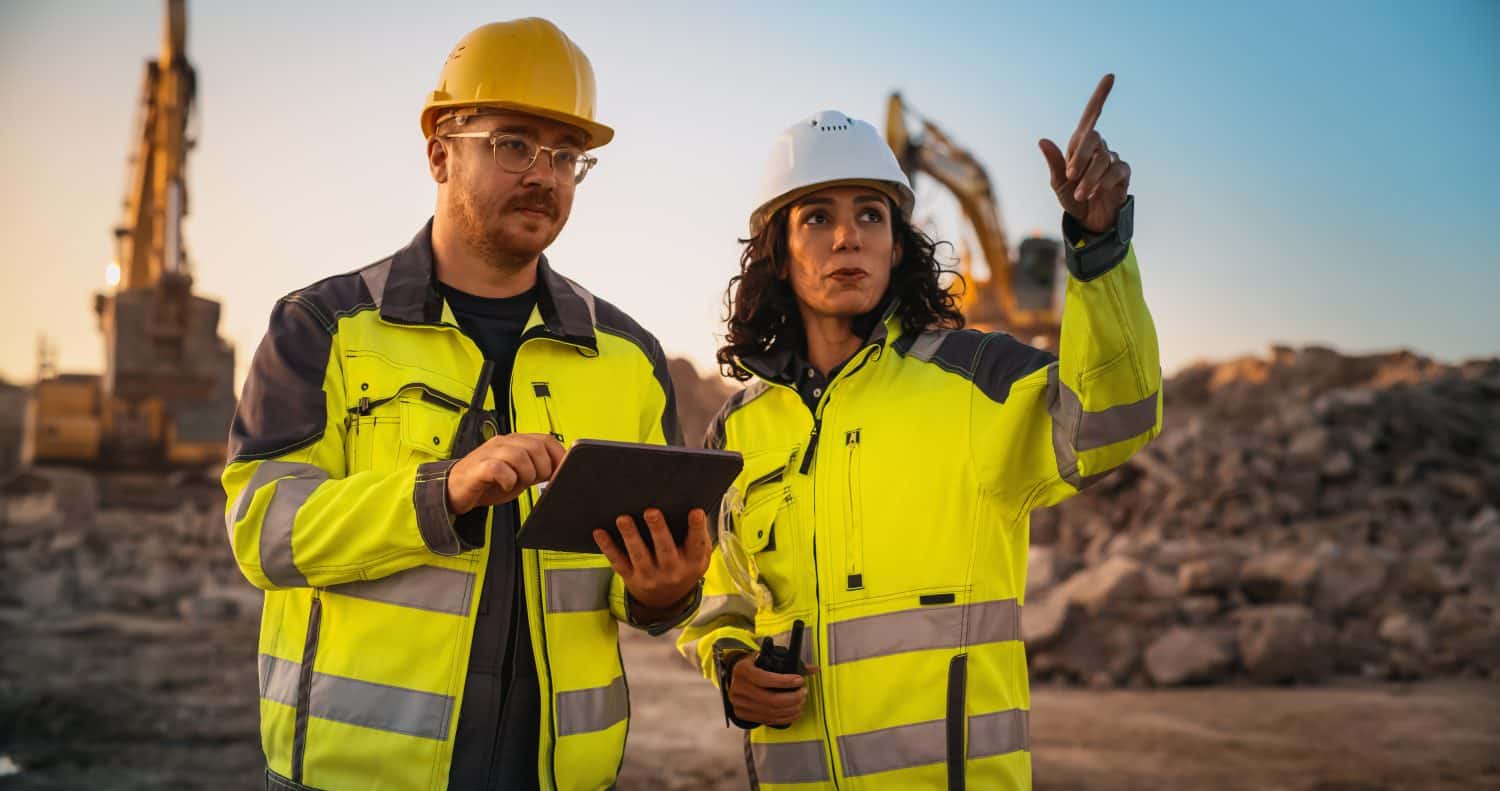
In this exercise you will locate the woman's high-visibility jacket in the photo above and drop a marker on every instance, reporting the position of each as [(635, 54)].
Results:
[(893, 521), (360, 397)]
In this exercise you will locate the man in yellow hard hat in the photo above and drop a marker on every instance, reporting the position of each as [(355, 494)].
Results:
[(393, 426)]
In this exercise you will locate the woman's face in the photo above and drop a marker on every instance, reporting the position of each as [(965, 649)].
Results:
[(842, 250)]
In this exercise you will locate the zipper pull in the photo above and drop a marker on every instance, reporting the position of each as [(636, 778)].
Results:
[(812, 447), (364, 405), (851, 437)]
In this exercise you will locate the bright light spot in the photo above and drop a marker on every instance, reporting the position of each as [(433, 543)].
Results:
[(112, 274)]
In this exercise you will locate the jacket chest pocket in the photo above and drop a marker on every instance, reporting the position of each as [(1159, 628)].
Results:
[(770, 534), (413, 426)]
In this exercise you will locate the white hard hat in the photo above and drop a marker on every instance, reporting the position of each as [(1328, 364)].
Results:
[(828, 148)]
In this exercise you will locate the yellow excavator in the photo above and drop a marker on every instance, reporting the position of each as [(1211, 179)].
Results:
[(166, 396), (1022, 295)]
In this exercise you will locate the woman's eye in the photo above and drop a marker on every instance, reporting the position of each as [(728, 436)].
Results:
[(815, 218), (872, 215)]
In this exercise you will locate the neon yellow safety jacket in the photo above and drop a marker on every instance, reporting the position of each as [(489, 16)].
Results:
[(893, 520), (361, 396)]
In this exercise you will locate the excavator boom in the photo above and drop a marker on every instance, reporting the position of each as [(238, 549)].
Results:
[(1020, 299)]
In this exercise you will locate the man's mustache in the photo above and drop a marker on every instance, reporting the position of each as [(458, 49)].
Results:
[(539, 200)]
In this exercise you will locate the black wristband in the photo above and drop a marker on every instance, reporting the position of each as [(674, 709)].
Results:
[(1103, 252)]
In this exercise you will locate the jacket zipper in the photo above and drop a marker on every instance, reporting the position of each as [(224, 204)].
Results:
[(854, 549), (429, 394), (304, 684), (543, 392)]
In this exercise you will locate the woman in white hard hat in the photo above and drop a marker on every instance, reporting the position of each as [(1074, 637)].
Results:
[(892, 460)]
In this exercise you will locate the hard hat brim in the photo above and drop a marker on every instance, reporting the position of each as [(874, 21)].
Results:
[(597, 134), (898, 193)]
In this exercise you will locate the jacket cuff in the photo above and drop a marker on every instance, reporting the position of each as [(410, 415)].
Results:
[(1090, 255), (660, 627), (430, 496), (727, 653)]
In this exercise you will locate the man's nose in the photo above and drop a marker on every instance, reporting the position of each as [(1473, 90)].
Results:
[(541, 171)]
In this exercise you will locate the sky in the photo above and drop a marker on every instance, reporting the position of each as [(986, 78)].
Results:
[(1305, 173)]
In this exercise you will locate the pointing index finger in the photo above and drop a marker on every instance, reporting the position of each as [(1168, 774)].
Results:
[(1095, 106)]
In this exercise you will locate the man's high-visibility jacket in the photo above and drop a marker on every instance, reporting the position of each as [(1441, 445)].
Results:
[(360, 397), (893, 520)]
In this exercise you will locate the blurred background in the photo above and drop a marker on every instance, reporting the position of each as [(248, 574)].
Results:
[(1297, 586)]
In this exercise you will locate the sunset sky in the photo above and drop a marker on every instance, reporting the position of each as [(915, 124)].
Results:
[(1304, 172)]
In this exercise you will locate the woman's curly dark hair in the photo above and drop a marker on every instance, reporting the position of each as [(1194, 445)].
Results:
[(762, 310)]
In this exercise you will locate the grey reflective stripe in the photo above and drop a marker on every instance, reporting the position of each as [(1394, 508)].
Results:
[(589, 710), (278, 679), (754, 390), (381, 707), (265, 473), (578, 590), (276, 560), (901, 747), (925, 347), (1116, 424), (423, 588), (809, 644), (789, 762), (1075, 430), (1066, 411), (924, 628), (924, 743), (294, 483), (731, 606), (378, 706), (998, 733)]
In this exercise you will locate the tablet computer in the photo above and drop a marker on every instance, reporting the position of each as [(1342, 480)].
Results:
[(600, 480)]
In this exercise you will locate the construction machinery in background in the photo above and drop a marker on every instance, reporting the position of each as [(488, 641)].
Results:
[(166, 396), (1022, 295)]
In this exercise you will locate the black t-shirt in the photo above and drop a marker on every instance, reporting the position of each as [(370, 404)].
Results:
[(498, 724)]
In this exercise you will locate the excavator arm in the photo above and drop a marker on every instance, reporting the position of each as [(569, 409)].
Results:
[(1019, 297)]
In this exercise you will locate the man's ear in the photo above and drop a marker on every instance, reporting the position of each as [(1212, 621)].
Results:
[(437, 160)]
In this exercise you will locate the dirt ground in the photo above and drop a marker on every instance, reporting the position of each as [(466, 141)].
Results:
[(133, 702)]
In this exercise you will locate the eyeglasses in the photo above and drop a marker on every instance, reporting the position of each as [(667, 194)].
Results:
[(516, 154)]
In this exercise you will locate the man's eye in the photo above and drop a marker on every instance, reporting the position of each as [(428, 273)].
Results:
[(566, 156), (513, 145)]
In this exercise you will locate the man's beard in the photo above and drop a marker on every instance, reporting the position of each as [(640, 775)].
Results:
[(483, 231)]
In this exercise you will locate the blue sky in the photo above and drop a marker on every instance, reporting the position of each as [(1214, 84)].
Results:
[(1305, 173)]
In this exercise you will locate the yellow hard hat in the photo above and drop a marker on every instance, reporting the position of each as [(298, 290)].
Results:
[(526, 65)]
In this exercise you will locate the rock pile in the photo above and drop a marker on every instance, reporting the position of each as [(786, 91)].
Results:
[(1301, 515)]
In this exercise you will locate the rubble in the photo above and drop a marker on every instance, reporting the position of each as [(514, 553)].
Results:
[(1336, 514)]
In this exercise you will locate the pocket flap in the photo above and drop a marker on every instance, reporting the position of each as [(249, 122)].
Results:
[(427, 427), (755, 524)]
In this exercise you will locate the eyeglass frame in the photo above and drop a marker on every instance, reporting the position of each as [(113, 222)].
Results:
[(496, 136)]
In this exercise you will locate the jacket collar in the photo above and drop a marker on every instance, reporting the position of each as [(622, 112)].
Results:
[(780, 365), (410, 294)]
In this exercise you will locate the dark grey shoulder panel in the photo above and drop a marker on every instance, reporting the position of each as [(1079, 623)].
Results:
[(611, 319), (333, 298), (282, 407), (992, 361), (1003, 360), (714, 437)]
